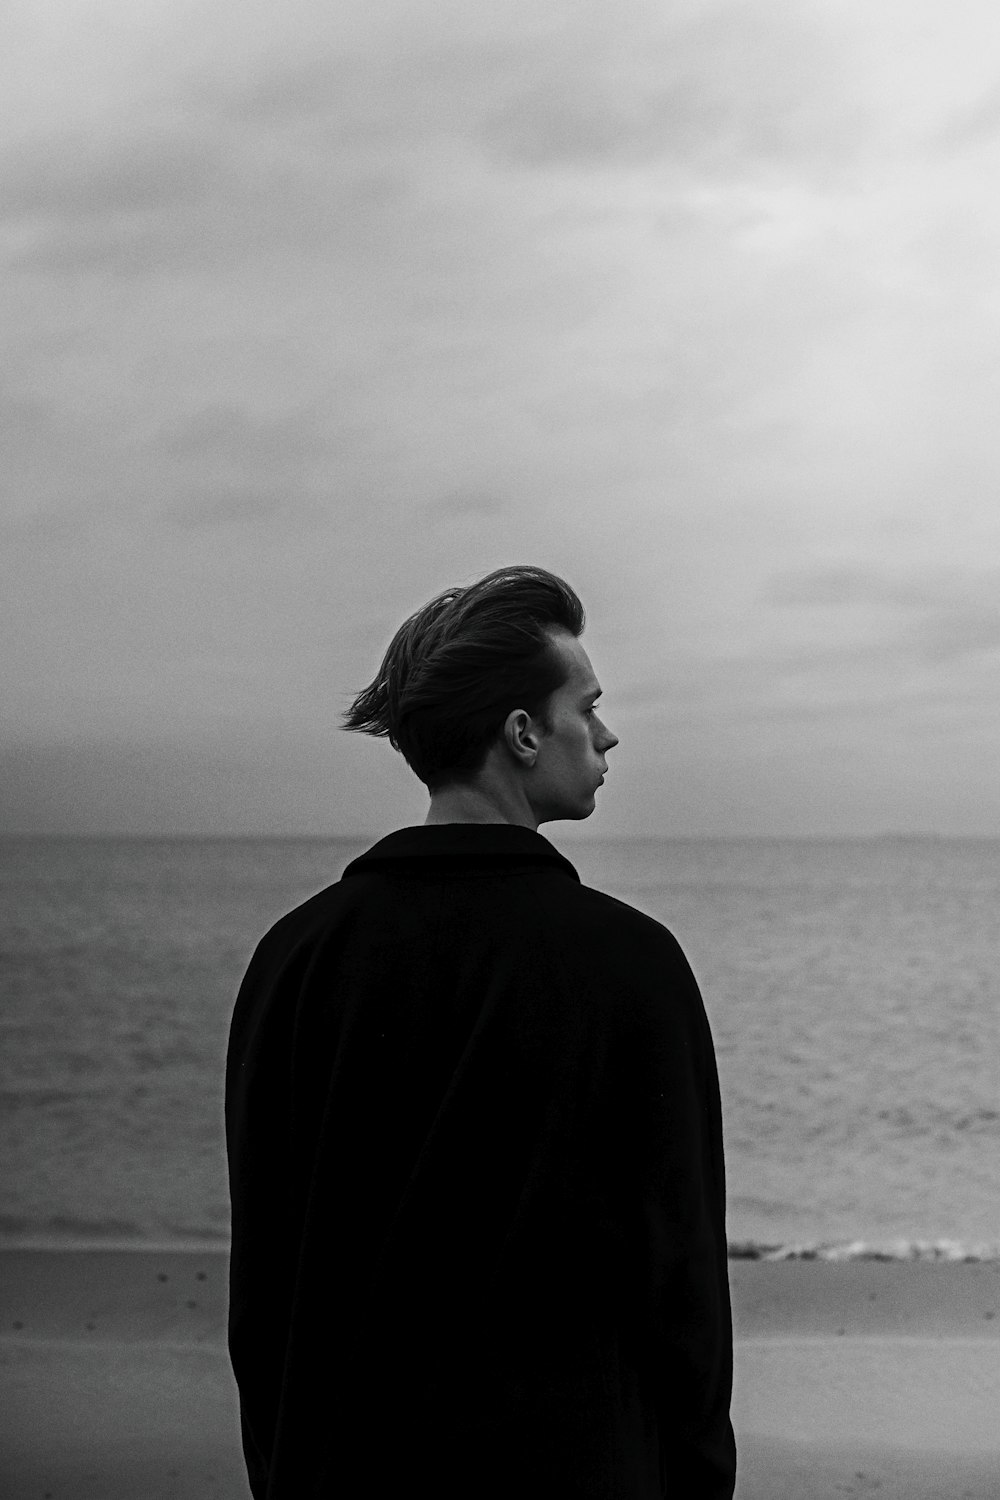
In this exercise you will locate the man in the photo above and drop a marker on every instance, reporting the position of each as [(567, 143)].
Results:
[(473, 1123)]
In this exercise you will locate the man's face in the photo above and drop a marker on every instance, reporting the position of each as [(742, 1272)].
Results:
[(572, 756)]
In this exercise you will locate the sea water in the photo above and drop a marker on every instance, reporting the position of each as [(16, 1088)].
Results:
[(853, 987)]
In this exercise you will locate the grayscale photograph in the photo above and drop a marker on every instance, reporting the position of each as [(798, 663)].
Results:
[(499, 744)]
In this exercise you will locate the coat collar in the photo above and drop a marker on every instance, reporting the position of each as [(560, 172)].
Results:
[(485, 847)]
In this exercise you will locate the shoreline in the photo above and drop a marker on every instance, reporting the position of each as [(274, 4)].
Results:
[(142, 1293), (898, 1250)]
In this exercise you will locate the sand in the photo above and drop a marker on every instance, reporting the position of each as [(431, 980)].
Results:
[(859, 1378)]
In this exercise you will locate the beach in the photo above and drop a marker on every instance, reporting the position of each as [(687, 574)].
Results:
[(856, 1377)]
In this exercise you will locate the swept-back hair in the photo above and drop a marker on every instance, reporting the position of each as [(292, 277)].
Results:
[(458, 666)]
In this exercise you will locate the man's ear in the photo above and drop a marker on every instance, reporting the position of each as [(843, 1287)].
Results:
[(522, 737)]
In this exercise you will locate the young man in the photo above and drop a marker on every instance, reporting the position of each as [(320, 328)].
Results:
[(474, 1126)]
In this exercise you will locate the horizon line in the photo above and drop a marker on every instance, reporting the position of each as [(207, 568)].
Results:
[(888, 835)]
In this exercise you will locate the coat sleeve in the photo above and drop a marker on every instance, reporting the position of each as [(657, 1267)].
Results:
[(261, 1262), (671, 1175)]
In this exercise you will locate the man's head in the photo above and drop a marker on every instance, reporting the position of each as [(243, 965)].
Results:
[(491, 680)]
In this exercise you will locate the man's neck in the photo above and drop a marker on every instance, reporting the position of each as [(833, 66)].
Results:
[(470, 803)]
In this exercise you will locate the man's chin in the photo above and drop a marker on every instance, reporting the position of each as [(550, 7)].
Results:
[(575, 814)]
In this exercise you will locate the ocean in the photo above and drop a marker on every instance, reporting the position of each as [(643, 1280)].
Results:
[(853, 987)]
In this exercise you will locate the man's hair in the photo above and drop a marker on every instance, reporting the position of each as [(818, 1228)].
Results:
[(458, 666)]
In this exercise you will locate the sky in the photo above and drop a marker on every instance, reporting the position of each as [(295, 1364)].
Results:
[(311, 311)]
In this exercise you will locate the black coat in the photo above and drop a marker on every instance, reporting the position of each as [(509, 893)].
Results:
[(478, 1203)]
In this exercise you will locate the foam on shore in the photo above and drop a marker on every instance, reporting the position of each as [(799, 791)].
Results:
[(885, 1250)]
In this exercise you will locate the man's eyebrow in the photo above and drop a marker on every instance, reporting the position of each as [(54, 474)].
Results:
[(592, 692)]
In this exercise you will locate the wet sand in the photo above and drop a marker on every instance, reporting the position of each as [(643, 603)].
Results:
[(859, 1378)]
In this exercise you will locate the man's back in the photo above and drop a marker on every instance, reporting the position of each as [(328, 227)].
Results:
[(477, 1183)]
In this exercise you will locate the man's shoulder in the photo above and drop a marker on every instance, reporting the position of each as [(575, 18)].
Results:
[(629, 955), (545, 906), (312, 915), (598, 911)]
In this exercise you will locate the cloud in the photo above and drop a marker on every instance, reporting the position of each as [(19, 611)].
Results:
[(228, 464), (233, 435), (118, 170), (972, 125), (415, 138), (830, 586), (270, 217), (325, 133), (30, 426), (711, 86), (465, 505), (170, 188), (942, 614), (716, 90), (229, 507), (25, 419)]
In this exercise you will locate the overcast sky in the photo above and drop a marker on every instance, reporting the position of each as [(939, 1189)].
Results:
[(311, 310)]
